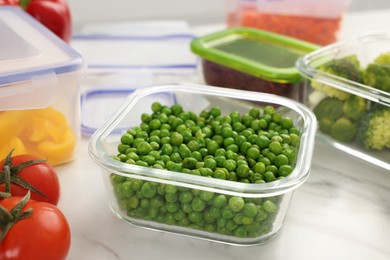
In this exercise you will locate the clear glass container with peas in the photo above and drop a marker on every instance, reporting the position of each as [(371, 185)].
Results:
[(217, 164)]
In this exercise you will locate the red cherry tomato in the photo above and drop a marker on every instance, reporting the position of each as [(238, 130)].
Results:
[(40, 175), (43, 235)]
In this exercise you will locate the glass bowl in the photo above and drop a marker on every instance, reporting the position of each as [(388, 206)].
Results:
[(193, 205)]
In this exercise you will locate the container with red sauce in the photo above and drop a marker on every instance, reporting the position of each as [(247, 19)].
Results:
[(310, 20), (252, 59)]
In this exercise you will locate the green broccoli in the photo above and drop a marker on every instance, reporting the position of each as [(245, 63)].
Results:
[(378, 76), (329, 107), (325, 125), (354, 107), (343, 130), (335, 117), (373, 129), (383, 58), (347, 67)]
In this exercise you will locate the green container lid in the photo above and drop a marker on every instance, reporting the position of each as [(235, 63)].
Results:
[(259, 53)]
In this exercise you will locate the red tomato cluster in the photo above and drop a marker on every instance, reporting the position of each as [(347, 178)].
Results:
[(31, 228)]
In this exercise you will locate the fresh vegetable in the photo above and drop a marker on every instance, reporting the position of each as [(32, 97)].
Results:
[(343, 129), (44, 133), (254, 147), (27, 172), (355, 107), (378, 76), (347, 67), (32, 230), (373, 130), (54, 14), (329, 107), (383, 58)]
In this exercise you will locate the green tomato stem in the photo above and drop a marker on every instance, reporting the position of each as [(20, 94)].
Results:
[(9, 218)]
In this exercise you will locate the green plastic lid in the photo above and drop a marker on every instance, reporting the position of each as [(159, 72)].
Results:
[(259, 53)]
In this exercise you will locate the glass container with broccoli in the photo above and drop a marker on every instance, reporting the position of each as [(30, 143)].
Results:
[(348, 89)]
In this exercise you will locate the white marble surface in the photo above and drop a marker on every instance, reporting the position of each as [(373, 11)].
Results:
[(341, 212)]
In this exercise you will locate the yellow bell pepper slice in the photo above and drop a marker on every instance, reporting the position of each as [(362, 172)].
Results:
[(13, 143), (12, 123), (57, 153)]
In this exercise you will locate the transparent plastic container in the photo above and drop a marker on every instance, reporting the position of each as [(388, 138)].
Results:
[(354, 101), (117, 175), (310, 20), (252, 59), (39, 90)]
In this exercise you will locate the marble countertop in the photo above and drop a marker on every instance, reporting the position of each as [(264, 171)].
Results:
[(341, 212)]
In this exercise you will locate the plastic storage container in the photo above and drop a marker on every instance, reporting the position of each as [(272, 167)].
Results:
[(252, 59), (348, 95), (193, 205), (39, 90), (310, 20)]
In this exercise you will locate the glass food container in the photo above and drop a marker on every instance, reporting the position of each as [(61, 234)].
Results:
[(195, 205), (39, 90), (310, 20), (348, 85), (252, 59)]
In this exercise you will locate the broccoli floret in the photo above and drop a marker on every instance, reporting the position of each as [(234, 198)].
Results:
[(347, 67), (384, 58), (343, 130), (354, 107), (331, 108), (325, 125), (373, 130), (378, 76)]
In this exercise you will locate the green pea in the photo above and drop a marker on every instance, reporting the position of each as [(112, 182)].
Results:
[(215, 111), (176, 109), (269, 176), (230, 165), (253, 153), (195, 216), (250, 210), (176, 139), (185, 197), (242, 171), (280, 160), (294, 139), (269, 206), (206, 195), (236, 203), (144, 148), (156, 202), (285, 170), (220, 201), (142, 163), (189, 163), (219, 174), (210, 163)]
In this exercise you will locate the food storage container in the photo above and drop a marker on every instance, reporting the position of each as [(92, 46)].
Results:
[(309, 20), (193, 200), (39, 90), (252, 59), (349, 91)]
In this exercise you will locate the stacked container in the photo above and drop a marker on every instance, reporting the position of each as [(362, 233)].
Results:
[(39, 90)]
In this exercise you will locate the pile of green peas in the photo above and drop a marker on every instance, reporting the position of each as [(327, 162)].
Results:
[(255, 147)]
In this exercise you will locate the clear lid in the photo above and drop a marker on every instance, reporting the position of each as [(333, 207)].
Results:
[(259, 53), (31, 58), (161, 52)]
